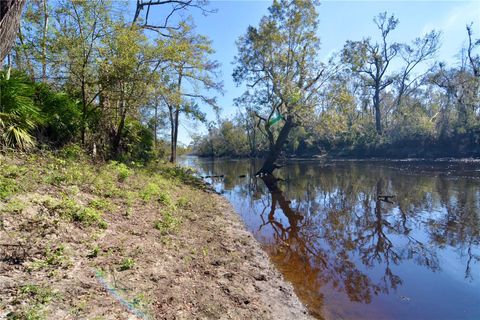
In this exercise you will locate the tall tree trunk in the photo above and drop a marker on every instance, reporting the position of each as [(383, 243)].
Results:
[(269, 165), (155, 125), (84, 112), (173, 157), (44, 41), (119, 133), (172, 131), (174, 120), (376, 106)]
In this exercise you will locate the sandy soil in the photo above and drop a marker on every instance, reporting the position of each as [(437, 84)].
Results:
[(210, 268)]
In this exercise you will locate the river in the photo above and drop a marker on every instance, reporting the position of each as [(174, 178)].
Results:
[(365, 239)]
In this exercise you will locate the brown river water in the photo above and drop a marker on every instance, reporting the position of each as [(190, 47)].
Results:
[(352, 253)]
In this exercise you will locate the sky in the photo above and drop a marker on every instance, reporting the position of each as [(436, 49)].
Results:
[(339, 21)]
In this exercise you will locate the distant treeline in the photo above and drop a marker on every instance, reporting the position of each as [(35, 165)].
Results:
[(365, 107)]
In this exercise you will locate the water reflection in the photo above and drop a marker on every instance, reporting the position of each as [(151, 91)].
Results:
[(350, 252)]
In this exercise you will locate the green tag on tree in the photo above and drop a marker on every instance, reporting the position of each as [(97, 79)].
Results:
[(275, 119)]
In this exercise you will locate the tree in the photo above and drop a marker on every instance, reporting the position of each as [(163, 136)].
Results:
[(461, 86), (189, 69), (420, 50), (10, 13), (279, 63), (81, 25), (372, 60), (33, 41), (162, 24), (125, 79)]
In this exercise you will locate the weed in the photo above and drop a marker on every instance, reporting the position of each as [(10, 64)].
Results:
[(72, 152), (123, 172), (101, 204), (56, 257), (56, 178), (33, 312), (8, 187), (94, 252), (151, 190), (126, 264), (14, 206), (73, 190), (168, 223), (53, 258), (140, 301), (165, 199), (183, 202), (69, 209), (37, 293), (104, 186)]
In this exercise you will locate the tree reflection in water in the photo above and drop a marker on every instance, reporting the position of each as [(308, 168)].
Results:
[(328, 229)]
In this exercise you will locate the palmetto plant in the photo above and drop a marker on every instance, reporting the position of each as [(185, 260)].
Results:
[(19, 116)]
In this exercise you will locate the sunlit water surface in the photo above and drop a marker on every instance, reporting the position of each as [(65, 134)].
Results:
[(353, 255)]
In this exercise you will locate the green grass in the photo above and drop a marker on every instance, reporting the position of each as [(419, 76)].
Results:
[(14, 206), (8, 187)]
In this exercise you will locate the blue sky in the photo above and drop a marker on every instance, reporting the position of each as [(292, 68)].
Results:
[(339, 21)]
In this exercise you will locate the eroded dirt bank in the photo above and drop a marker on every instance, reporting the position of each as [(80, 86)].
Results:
[(84, 241)]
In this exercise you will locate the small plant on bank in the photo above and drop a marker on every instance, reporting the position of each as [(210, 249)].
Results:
[(37, 297), (8, 187), (94, 252), (151, 190), (126, 264), (165, 199), (14, 206), (123, 172), (101, 204), (168, 223), (37, 293), (54, 258), (183, 202)]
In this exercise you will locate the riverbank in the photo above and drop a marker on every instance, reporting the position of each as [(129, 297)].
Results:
[(106, 241)]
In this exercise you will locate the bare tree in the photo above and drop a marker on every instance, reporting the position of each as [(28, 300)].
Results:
[(171, 7), (373, 60)]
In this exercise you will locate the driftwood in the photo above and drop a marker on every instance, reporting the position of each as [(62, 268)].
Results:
[(219, 176), (386, 198)]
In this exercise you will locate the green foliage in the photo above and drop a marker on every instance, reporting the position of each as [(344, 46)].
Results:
[(165, 199), (101, 204), (69, 209), (168, 223), (123, 172), (72, 152), (53, 258), (37, 296), (138, 142), (8, 187), (61, 113), (19, 116), (150, 191), (88, 216), (183, 202), (14, 206), (126, 264)]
